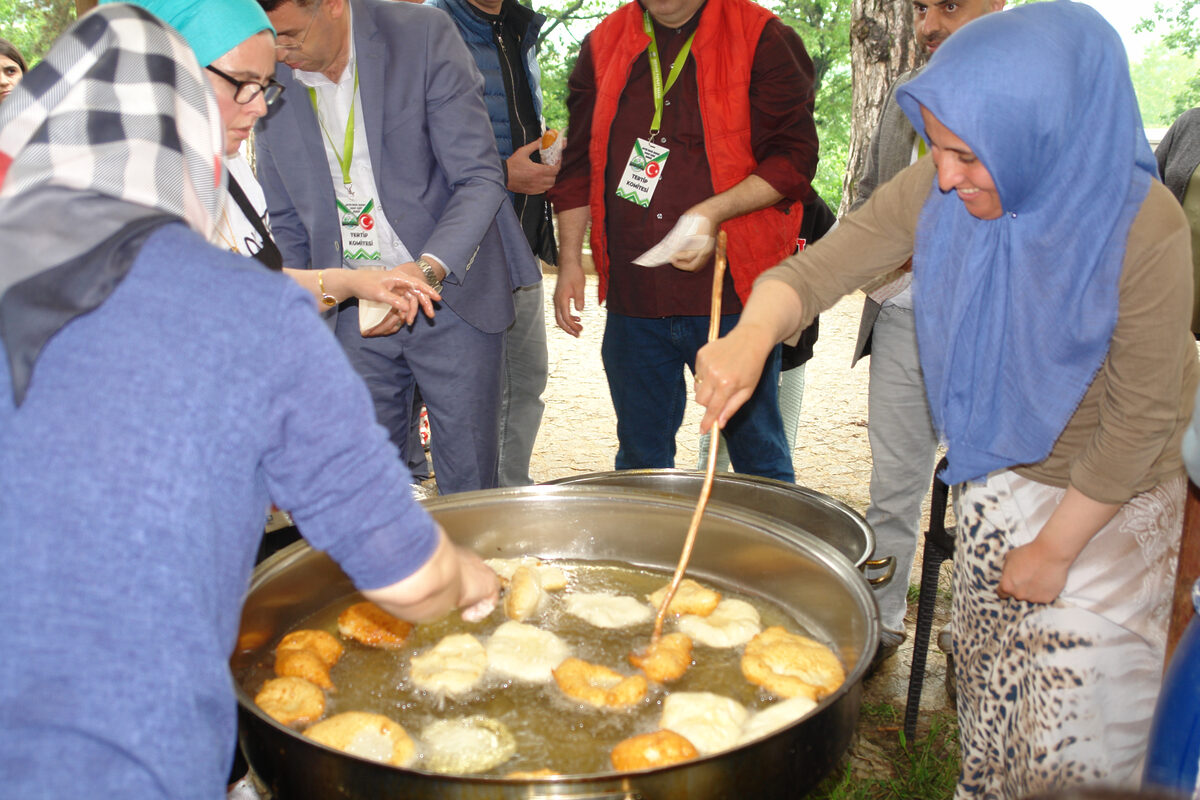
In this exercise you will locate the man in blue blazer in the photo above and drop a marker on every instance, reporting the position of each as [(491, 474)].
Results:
[(381, 155)]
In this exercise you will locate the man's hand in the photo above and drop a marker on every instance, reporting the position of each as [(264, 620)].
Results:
[(391, 323), (694, 259), (398, 288), (526, 176), (567, 290)]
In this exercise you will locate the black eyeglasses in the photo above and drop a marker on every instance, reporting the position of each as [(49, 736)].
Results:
[(245, 91)]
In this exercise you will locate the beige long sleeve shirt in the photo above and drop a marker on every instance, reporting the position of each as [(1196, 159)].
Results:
[(1124, 437)]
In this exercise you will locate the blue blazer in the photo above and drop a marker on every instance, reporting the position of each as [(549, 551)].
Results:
[(433, 154)]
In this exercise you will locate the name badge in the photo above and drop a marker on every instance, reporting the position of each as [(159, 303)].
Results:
[(643, 172), (360, 239)]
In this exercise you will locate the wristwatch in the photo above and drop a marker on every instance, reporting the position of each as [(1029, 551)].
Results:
[(326, 298), (430, 275)]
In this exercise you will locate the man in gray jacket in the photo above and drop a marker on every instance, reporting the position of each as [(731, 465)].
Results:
[(903, 441)]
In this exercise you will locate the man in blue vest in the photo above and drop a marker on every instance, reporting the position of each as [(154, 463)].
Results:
[(501, 35)]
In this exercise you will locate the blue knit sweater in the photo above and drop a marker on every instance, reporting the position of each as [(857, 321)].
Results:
[(134, 481)]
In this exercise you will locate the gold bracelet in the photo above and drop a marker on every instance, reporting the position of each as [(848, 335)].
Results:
[(326, 298)]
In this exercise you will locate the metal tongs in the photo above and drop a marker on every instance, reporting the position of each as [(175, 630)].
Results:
[(714, 444)]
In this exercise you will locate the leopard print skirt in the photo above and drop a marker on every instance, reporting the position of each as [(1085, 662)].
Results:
[(1061, 694)]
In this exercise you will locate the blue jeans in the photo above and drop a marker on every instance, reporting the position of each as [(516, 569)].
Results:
[(644, 361)]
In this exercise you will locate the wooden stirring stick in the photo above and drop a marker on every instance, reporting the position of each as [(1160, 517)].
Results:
[(714, 443)]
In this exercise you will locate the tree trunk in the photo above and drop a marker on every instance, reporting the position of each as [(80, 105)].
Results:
[(881, 48), (84, 6)]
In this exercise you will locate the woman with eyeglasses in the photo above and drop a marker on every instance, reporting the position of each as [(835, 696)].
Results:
[(242, 77)]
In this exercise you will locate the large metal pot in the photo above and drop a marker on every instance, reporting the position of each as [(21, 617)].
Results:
[(812, 581), (830, 520)]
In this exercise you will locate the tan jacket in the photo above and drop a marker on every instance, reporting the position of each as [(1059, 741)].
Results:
[(1124, 437)]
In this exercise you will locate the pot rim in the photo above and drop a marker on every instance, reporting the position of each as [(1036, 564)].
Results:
[(833, 559), (733, 478)]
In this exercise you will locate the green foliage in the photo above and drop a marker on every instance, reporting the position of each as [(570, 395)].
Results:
[(1167, 84), (33, 25), (1181, 21), (824, 27)]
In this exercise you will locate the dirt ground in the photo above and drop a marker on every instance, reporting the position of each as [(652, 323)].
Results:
[(832, 456)]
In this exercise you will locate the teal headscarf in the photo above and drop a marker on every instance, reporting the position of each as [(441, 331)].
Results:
[(211, 27)]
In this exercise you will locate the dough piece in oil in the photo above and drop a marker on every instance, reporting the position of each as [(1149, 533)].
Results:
[(290, 701), (731, 624), (606, 610), (523, 594), (365, 735), (776, 716), (525, 653), (466, 746), (788, 664), (453, 666), (690, 598), (709, 721), (553, 577)]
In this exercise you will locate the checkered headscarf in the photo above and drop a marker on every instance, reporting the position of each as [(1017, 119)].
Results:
[(114, 133)]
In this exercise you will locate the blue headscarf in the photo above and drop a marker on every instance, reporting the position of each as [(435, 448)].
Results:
[(211, 27), (1015, 315)]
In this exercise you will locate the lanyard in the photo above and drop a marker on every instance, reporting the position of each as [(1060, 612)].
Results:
[(347, 156), (656, 79)]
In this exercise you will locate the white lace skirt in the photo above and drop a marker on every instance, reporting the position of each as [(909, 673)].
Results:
[(1060, 694)]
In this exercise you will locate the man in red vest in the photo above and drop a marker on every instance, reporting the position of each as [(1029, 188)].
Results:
[(696, 113)]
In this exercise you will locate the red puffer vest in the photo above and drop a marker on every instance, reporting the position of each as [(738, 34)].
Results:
[(724, 47)]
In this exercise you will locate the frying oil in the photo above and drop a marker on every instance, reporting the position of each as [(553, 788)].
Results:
[(552, 730)]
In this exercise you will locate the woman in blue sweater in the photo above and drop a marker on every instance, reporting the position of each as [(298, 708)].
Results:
[(155, 394)]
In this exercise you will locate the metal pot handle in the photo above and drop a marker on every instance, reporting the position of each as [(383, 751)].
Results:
[(888, 564)]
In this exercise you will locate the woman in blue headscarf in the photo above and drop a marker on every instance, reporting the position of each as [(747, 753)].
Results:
[(1052, 281)]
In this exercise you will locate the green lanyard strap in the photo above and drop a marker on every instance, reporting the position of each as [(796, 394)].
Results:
[(656, 79), (347, 157)]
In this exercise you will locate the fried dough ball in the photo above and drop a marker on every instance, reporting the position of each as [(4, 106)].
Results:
[(777, 716), (787, 665), (605, 610), (290, 700), (303, 664), (731, 624), (553, 577), (712, 723), (598, 685), (323, 643), (690, 598), (465, 746), (657, 749), (525, 653), (372, 736), (524, 594), (453, 666), (369, 624), (666, 660)]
